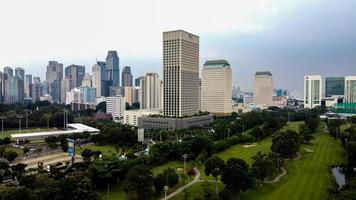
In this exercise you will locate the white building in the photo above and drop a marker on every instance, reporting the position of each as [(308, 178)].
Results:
[(216, 86), (263, 89), (116, 107), (131, 116), (46, 97), (350, 89), (312, 91), (87, 81), (180, 73), (150, 91), (96, 69)]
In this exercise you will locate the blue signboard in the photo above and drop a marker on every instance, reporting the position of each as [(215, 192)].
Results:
[(71, 147)]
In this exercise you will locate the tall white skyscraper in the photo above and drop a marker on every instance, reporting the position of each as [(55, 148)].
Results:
[(312, 91), (150, 92), (28, 85), (116, 107), (216, 87), (350, 89), (96, 69), (180, 73), (263, 89)]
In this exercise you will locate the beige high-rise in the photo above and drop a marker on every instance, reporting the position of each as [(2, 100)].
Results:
[(150, 92), (96, 69), (216, 87), (263, 89), (180, 73), (350, 89)]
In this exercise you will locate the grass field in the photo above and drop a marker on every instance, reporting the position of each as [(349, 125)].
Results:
[(8, 133), (106, 150), (308, 178)]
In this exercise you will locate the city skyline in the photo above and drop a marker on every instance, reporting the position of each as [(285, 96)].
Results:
[(268, 30)]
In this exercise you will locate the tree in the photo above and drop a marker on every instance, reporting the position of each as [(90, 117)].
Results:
[(198, 144), (287, 143), (261, 167), (11, 155), (159, 182), (214, 166), (6, 141), (305, 133), (353, 119), (51, 141), (86, 155), (172, 177), (63, 142), (2, 151), (16, 193), (25, 150), (236, 176), (19, 168), (101, 106), (140, 181)]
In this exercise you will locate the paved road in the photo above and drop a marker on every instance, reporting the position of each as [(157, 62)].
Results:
[(179, 190)]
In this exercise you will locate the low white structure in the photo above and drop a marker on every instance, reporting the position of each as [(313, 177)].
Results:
[(72, 128), (131, 116)]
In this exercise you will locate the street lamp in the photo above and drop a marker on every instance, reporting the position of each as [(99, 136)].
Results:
[(185, 156), (2, 123), (165, 191), (19, 117)]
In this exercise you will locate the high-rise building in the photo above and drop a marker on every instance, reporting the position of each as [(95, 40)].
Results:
[(96, 70), (263, 89), (36, 91), (137, 81), (66, 86), (54, 76), (126, 77), (350, 89), (116, 107), (8, 71), (14, 90), (312, 91), (180, 73), (28, 85), (150, 92), (20, 72), (87, 81), (216, 87), (77, 72), (334, 86), (129, 94), (112, 68), (36, 80), (88, 94), (105, 83)]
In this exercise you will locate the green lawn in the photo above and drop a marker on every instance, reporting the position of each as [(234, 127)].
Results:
[(309, 177), (106, 150), (8, 133)]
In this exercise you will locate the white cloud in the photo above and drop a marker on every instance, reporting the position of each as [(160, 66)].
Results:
[(40, 30)]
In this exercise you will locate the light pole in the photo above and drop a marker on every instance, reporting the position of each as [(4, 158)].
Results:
[(19, 117), (2, 123), (165, 191), (185, 156)]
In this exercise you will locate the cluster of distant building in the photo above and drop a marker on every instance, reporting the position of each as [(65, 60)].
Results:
[(339, 92), (172, 103)]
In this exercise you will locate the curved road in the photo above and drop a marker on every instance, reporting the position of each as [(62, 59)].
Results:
[(179, 190)]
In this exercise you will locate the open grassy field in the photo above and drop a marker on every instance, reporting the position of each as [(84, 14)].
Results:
[(106, 150), (8, 133), (307, 178)]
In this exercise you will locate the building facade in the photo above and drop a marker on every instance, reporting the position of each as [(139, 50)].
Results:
[(126, 77), (131, 116), (180, 73), (350, 89), (312, 91), (150, 91), (87, 81), (13, 90), (66, 86), (54, 76), (263, 89), (116, 107), (334, 86), (77, 73), (96, 70), (113, 68), (216, 87), (28, 85)]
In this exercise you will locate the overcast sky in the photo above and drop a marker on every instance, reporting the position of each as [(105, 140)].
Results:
[(290, 38)]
